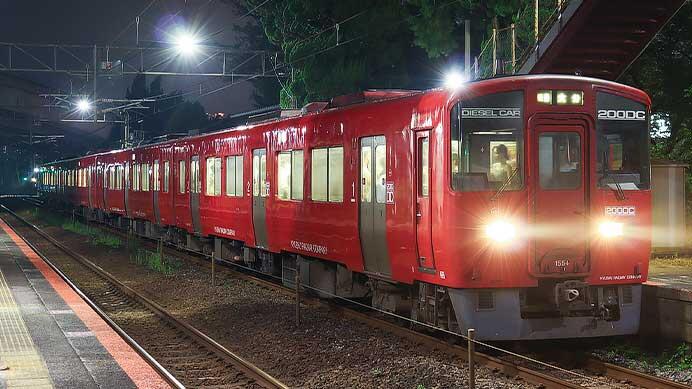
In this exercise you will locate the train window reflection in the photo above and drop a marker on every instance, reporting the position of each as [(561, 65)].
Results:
[(559, 160), (486, 150), (622, 132)]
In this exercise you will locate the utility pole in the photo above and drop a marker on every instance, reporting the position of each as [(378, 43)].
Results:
[(467, 48), (126, 135)]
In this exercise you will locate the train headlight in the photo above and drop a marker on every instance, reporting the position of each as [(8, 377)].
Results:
[(500, 231), (609, 229)]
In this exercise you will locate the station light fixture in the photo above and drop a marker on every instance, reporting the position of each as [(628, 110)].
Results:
[(186, 43), (454, 80), (84, 105), (36, 169)]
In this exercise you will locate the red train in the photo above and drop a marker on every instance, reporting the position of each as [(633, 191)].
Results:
[(518, 206)]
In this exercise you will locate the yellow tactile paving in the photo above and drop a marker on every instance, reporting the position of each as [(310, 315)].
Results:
[(26, 367)]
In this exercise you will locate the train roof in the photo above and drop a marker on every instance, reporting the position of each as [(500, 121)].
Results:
[(374, 96)]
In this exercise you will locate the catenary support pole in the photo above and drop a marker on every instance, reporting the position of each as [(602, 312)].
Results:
[(472, 364), (297, 282)]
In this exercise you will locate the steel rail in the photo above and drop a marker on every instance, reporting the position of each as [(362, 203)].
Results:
[(591, 364), (509, 368), (163, 372), (242, 364)]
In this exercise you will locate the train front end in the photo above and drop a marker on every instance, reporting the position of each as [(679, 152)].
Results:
[(550, 205)]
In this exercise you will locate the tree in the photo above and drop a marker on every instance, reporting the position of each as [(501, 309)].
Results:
[(169, 113), (664, 71), (335, 47)]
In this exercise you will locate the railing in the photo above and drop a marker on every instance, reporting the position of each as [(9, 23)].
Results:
[(508, 47)]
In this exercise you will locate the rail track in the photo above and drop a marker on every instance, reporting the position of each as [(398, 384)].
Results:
[(183, 355), (533, 373)]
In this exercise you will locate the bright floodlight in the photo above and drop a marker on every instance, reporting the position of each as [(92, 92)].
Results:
[(186, 43), (83, 105), (35, 170), (454, 80)]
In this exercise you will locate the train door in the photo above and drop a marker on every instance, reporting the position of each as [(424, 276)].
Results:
[(260, 190), (157, 188), (89, 185), (559, 202), (423, 208), (126, 189), (104, 192), (373, 237), (195, 189)]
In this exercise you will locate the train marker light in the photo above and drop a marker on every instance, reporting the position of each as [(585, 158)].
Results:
[(454, 80), (500, 231), (576, 98), (609, 229), (83, 105), (544, 97)]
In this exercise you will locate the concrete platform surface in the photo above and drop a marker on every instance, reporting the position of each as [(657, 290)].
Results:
[(667, 300), (50, 337)]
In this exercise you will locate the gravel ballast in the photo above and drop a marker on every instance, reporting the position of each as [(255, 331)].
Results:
[(257, 323)]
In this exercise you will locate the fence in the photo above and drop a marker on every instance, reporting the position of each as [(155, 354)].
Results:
[(508, 47)]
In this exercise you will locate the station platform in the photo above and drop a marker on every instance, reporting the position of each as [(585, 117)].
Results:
[(50, 337), (667, 302)]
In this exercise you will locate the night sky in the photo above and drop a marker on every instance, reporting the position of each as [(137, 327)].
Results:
[(99, 22)]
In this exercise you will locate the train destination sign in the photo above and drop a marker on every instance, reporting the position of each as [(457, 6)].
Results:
[(491, 113)]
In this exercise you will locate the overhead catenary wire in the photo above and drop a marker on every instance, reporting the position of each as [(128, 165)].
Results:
[(286, 64), (133, 21)]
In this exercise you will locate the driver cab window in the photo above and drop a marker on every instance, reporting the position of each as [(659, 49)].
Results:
[(487, 142)]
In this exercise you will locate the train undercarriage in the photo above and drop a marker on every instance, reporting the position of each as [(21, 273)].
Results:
[(557, 308)]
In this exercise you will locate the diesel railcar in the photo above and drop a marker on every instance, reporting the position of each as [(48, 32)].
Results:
[(518, 206)]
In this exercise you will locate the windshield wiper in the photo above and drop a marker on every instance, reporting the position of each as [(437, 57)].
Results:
[(619, 193), (504, 185)]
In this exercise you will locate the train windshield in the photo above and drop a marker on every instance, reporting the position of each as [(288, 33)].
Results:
[(487, 142), (623, 143)]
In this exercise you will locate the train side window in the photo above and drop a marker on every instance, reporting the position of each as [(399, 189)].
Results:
[(327, 175), (297, 174), (319, 175), (234, 176), (336, 174), (195, 181), (380, 173), (166, 175), (424, 168), (136, 177), (213, 177), (145, 177), (255, 178), (284, 175), (366, 174), (157, 184), (181, 177), (290, 175)]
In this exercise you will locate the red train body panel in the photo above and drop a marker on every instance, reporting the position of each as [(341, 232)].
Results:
[(399, 208)]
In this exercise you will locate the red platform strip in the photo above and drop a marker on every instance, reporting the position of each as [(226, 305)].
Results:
[(141, 373)]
